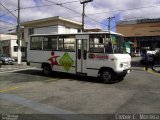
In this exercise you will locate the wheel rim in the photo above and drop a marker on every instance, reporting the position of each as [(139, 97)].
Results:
[(46, 70), (107, 76)]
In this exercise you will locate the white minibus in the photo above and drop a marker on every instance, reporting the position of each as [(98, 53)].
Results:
[(98, 54)]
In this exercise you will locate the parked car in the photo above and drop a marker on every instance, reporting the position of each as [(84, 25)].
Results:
[(6, 59)]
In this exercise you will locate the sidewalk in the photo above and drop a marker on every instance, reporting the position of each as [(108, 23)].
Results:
[(14, 67), (22, 65), (135, 62)]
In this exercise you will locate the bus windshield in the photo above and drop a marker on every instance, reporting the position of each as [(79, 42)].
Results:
[(101, 43), (118, 45)]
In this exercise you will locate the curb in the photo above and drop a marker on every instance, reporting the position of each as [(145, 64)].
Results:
[(22, 63), (156, 68)]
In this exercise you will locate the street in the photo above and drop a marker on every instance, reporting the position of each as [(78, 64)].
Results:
[(80, 60), (28, 91)]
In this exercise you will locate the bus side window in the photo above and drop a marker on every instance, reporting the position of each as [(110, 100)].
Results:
[(36, 43), (66, 43), (69, 43), (97, 43), (60, 43), (50, 43)]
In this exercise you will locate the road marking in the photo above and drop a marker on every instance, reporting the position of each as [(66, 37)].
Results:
[(43, 108), (8, 89), (50, 80), (151, 71), (18, 70)]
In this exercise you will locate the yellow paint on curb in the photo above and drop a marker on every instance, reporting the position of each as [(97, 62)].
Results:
[(50, 80), (151, 71), (9, 89)]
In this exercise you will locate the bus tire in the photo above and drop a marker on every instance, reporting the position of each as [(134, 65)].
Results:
[(107, 76), (47, 70)]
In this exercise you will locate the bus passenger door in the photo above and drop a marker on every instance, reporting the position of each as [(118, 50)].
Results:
[(81, 55)]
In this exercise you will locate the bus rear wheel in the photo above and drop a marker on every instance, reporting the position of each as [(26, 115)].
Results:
[(107, 76), (47, 70)]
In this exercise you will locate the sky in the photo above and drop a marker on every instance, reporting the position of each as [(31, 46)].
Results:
[(96, 12)]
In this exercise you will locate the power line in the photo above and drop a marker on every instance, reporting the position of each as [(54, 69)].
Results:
[(70, 2), (7, 22), (125, 9), (73, 10), (5, 28), (50, 4), (59, 4), (78, 1), (37, 6), (8, 10), (8, 13)]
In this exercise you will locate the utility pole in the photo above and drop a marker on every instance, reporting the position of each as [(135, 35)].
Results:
[(109, 23), (18, 35), (83, 12)]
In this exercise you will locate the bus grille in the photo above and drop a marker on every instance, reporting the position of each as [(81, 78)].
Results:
[(126, 65)]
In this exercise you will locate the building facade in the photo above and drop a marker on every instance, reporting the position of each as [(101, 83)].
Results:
[(50, 26), (144, 33), (9, 46), (8, 43)]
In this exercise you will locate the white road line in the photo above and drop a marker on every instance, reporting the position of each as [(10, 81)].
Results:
[(18, 70), (43, 108)]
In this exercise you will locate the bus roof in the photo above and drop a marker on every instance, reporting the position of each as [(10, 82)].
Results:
[(83, 33)]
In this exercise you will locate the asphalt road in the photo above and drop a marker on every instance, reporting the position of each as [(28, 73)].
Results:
[(29, 92)]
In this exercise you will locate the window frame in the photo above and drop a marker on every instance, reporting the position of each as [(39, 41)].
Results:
[(51, 49), (57, 37), (63, 37), (91, 38), (38, 39), (30, 31), (107, 45)]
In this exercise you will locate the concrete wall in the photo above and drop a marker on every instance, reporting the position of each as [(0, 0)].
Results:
[(48, 30), (10, 41), (12, 52), (51, 26)]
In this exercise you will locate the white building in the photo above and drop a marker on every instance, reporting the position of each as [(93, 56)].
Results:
[(50, 26), (8, 45)]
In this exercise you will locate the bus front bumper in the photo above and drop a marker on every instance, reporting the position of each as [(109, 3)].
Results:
[(127, 71)]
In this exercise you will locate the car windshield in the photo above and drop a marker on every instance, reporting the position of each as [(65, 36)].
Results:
[(118, 45)]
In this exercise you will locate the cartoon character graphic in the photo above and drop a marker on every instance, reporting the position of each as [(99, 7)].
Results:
[(65, 61), (53, 59)]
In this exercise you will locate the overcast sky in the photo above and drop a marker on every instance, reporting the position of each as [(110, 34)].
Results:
[(96, 11)]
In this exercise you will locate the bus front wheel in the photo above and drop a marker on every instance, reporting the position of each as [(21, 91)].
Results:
[(47, 70), (107, 76)]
